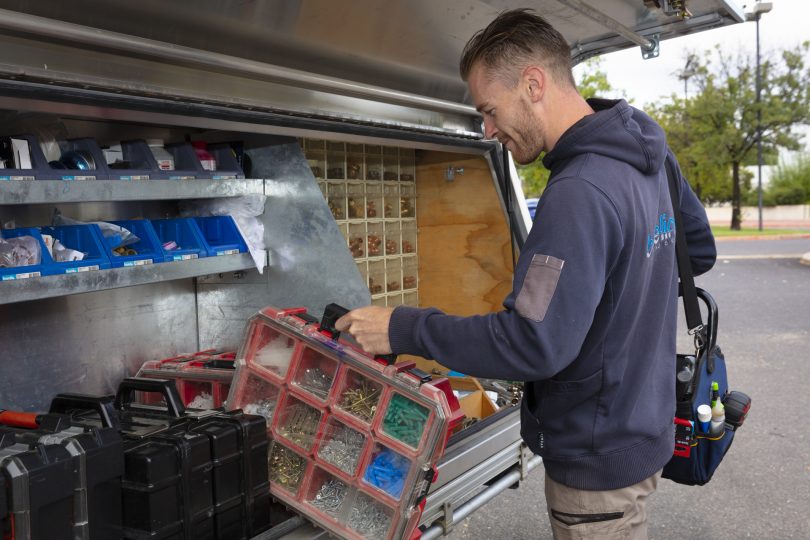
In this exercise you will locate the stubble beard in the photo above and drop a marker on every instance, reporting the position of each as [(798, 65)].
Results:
[(530, 130)]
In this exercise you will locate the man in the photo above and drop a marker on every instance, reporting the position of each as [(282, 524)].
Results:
[(590, 324)]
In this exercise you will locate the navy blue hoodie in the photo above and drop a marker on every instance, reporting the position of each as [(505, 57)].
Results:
[(590, 324)]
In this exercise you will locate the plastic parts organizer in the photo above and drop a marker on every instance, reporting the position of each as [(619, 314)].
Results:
[(203, 378), (355, 439)]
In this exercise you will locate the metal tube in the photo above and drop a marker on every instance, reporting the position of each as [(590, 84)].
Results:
[(178, 54), (608, 22), (460, 513), (759, 132)]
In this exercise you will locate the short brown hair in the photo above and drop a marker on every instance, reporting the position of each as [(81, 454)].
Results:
[(515, 39)]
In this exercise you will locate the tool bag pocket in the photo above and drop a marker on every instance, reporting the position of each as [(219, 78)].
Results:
[(705, 456)]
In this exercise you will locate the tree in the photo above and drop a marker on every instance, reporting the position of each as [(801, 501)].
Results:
[(790, 183), (715, 131), (592, 82)]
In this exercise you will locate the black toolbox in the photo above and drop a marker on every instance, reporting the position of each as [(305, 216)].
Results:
[(167, 484), (98, 465), (220, 492), (39, 489), (241, 485)]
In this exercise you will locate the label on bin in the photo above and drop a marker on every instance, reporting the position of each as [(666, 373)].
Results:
[(78, 178), (16, 177), (140, 262), (184, 257), (227, 252), (135, 177), (81, 269), (21, 276)]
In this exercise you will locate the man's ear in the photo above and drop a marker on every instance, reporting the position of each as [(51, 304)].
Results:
[(534, 82)]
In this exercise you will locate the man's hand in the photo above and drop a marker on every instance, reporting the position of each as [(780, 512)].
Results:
[(369, 326)]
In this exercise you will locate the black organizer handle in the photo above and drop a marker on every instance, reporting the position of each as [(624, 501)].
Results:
[(331, 314), (164, 387), (104, 406)]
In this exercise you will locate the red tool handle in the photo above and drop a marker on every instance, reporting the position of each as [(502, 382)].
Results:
[(19, 419)]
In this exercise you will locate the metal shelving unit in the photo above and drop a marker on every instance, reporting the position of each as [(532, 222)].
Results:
[(37, 288), (69, 191)]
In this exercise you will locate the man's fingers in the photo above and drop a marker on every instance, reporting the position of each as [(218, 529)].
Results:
[(343, 323)]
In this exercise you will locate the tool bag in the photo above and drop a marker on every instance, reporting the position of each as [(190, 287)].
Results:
[(697, 452)]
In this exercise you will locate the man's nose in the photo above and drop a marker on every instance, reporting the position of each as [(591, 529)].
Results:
[(490, 131)]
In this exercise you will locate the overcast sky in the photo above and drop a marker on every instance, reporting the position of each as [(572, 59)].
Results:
[(647, 81)]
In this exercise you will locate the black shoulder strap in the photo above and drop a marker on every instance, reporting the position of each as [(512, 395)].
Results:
[(688, 291)]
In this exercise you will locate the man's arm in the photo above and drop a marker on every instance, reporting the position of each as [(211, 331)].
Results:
[(559, 281), (699, 237)]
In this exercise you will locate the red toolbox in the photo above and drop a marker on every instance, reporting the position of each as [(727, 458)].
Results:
[(355, 439), (203, 378)]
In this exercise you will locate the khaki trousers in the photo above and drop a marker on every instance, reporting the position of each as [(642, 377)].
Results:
[(618, 514)]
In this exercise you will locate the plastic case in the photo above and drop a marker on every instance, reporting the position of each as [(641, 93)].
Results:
[(167, 484), (98, 465), (203, 379), (355, 439), (40, 484)]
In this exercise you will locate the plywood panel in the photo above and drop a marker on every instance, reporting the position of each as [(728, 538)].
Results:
[(465, 260)]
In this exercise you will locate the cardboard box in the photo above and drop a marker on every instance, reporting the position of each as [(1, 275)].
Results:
[(477, 403)]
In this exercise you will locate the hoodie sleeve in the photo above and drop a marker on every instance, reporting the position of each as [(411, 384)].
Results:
[(563, 268), (699, 237)]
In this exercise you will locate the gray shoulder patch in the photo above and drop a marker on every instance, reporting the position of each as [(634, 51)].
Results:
[(538, 287)]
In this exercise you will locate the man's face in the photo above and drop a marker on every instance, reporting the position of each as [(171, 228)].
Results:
[(508, 115)]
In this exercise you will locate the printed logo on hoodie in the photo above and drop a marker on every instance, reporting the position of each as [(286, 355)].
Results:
[(663, 233)]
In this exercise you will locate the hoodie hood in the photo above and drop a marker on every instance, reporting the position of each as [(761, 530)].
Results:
[(615, 130)]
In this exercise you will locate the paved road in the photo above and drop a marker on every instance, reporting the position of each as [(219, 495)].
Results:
[(762, 489)]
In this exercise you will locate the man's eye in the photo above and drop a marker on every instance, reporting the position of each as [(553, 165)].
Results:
[(490, 112)]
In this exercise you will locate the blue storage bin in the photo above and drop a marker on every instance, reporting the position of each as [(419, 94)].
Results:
[(44, 268), (186, 164), (142, 164), (227, 163), (147, 248), (40, 169), (83, 160), (85, 238), (185, 233), (221, 235)]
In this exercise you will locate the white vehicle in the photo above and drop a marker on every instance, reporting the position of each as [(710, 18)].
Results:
[(354, 124)]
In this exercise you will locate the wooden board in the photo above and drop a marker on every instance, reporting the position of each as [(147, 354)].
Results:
[(465, 260)]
